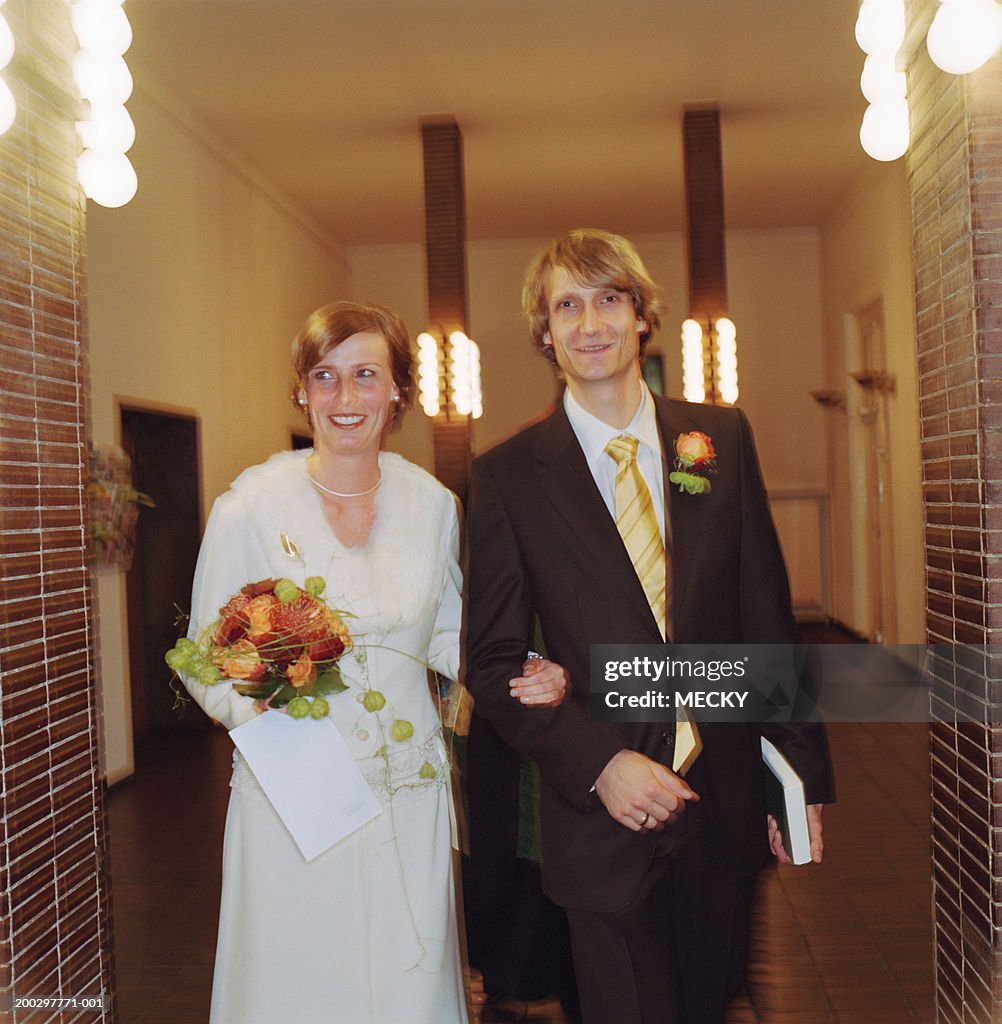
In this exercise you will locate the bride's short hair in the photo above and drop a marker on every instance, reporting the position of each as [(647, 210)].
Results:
[(328, 326)]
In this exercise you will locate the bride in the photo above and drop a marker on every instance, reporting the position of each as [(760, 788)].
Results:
[(365, 933)]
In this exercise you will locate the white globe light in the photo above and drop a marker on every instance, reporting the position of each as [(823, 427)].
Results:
[(964, 36), (101, 27), (726, 331), (6, 43), (102, 80), (880, 81), (110, 130), (692, 332), (8, 107), (109, 180), (884, 131), (880, 26)]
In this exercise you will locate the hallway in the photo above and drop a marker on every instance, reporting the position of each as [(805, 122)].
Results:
[(848, 942)]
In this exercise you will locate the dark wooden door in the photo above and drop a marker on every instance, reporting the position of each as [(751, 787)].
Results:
[(165, 465)]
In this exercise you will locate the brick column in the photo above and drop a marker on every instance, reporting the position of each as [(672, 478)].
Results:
[(704, 206), (53, 891), (955, 172), (445, 270)]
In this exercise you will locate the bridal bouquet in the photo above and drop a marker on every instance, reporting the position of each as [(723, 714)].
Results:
[(275, 641)]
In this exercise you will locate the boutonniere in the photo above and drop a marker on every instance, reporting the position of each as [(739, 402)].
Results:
[(695, 462)]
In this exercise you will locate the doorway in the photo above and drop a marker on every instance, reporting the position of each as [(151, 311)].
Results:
[(165, 465), (870, 454)]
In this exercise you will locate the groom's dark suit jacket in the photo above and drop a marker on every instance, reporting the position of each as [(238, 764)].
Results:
[(542, 543)]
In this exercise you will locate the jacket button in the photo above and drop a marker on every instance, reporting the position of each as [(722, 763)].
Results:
[(668, 737)]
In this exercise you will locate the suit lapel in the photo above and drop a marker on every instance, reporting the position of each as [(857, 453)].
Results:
[(565, 480), (683, 513)]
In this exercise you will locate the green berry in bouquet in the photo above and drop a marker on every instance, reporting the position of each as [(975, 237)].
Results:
[(401, 730), (373, 700), (299, 707)]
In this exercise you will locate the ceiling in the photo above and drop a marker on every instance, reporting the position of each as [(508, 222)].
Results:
[(570, 109)]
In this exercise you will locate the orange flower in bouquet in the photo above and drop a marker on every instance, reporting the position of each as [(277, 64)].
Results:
[(276, 642)]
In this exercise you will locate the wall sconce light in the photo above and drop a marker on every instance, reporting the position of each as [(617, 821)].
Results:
[(693, 362), (429, 374), (880, 33), (8, 105), (104, 34), (710, 361), (964, 35), (828, 398), (875, 380), (452, 382)]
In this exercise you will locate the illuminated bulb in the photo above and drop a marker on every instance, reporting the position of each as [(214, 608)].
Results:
[(102, 27), (6, 43), (880, 80), (108, 180), (880, 26), (964, 35), (476, 394), (692, 331), (462, 397), (109, 131), (884, 131), (8, 107), (428, 387), (725, 329), (693, 388), (105, 81), (727, 359)]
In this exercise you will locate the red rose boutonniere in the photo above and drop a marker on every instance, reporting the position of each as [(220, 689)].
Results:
[(695, 461)]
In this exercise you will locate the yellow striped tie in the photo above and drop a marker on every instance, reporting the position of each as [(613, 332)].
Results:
[(637, 523)]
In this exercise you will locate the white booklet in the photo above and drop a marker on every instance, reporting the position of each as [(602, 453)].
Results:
[(786, 803), (307, 772)]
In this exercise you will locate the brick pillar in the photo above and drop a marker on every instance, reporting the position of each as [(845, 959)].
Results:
[(955, 173), (704, 206), (445, 259), (54, 906)]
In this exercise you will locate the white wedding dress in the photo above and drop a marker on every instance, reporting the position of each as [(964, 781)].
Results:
[(366, 933)]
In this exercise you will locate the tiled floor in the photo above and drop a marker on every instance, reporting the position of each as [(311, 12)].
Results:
[(848, 942)]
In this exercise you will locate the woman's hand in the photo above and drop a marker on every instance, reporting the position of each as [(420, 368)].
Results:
[(543, 683)]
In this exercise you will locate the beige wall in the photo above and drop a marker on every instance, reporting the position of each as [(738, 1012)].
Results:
[(866, 259), (196, 289)]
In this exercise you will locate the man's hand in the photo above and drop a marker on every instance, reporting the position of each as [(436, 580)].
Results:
[(814, 830), (543, 683), (640, 793)]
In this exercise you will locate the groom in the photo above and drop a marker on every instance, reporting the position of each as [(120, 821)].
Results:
[(572, 523)]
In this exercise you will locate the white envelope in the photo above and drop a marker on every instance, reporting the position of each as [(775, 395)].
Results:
[(309, 776)]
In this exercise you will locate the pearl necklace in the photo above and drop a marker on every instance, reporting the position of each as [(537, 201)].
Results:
[(345, 494)]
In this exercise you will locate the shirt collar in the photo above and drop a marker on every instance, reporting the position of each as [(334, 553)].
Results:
[(594, 434)]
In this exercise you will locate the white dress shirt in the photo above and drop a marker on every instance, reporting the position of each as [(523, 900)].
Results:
[(594, 434)]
